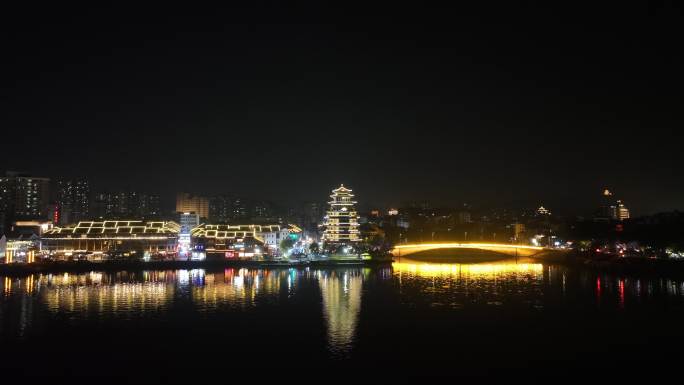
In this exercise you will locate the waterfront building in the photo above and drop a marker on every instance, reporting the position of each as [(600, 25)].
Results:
[(73, 200), (232, 241), (21, 249), (273, 235), (241, 240), (97, 240), (341, 222), (144, 240), (186, 202), (188, 221)]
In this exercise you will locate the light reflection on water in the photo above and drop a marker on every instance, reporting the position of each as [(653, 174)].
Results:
[(459, 285), (126, 296), (242, 288), (341, 292)]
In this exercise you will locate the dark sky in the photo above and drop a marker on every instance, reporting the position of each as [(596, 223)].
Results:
[(493, 106)]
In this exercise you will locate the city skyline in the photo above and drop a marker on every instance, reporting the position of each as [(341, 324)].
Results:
[(65, 194), (168, 198)]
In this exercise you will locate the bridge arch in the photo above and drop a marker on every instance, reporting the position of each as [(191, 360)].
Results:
[(502, 248)]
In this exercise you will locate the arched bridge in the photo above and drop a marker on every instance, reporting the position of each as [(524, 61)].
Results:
[(502, 248)]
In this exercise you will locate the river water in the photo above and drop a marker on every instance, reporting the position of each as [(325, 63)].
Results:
[(399, 323)]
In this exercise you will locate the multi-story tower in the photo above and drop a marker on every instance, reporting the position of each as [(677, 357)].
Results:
[(240, 209), (220, 209), (150, 206), (73, 199), (608, 209), (622, 211), (312, 214), (186, 202), (341, 221), (23, 197), (611, 210), (262, 210)]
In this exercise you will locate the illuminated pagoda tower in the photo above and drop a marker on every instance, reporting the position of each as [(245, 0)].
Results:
[(341, 221)]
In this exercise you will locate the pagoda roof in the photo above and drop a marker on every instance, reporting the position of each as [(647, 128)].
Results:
[(341, 188)]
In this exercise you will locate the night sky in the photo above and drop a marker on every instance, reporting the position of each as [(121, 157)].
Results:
[(514, 106)]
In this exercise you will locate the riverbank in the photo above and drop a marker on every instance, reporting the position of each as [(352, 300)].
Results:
[(84, 266), (630, 266)]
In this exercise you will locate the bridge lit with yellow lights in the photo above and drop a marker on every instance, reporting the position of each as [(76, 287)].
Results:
[(502, 248)]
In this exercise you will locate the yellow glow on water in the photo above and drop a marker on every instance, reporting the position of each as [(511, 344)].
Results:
[(341, 294), (489, 270)]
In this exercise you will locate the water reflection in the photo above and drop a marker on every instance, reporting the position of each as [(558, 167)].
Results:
[(28, 302), (459, 285), (243, 287), (120, 294), (341, 292), (488, 271)]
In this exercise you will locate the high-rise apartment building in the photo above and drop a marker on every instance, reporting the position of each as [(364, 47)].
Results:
[(186, 202), (221, 209), (73, 200), (23, 197), (126, 205)]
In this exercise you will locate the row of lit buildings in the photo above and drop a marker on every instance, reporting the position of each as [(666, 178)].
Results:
[(189, 238), (162, 240)]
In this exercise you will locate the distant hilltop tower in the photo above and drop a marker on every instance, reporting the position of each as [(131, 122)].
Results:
[(341, 221), (611, 210), (542, 211)]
